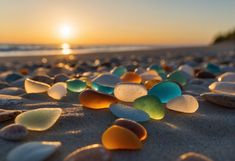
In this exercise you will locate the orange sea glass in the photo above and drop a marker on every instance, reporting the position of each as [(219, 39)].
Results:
[(117, 137), (96, 100), (150, 83), (135, 127), (24, 71), (167, 68), (131, 77)]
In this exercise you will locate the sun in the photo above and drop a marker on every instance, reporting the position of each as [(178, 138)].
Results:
[(65, 31)]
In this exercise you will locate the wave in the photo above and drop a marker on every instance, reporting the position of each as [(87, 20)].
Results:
[(35, 50)]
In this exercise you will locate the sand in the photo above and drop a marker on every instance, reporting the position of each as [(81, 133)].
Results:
[(209, 131)]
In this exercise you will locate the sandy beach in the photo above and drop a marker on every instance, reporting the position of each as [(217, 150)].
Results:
[(209, 131)]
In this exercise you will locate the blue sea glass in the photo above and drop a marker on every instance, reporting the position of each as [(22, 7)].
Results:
[(13, 77), (128, 112), (165, 91)]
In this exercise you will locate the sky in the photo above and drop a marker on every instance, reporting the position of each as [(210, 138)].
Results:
[(161, 22)]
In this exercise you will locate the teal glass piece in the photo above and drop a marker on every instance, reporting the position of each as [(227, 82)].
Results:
[(165, 91), (151, 105), (159, 70), (76, 85), (163, 75), (213, 68), (119, 71), (102, 89), (177, 76)]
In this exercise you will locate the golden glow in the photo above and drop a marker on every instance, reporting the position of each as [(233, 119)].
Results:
[(66, 50), (106, 22), (65, 46), (65, 31)]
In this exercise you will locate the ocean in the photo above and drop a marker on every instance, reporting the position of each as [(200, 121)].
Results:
[(39, 50)]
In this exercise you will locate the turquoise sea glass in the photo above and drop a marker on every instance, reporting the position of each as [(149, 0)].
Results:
[(213, 68), (102, 89), (75, 85), (165, 91), (119, 71)]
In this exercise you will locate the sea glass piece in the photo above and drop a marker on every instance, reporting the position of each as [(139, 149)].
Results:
[(166, 66), (39, 119), (6, 115), (102, 89), (135, 127), (184, 103), (13, 77), (227, 77), (225, 100), (94, 152), (32, 86), (13, 132), (108, 80), (43, 78), (187, 69), (58, 90), (96, 100), (124, 111), (151, 105), (223, 87), (105, 83), (128, 92), (165, 91), (119, 71), (76, 85), (192, 156), (150, 83), (131, 77), (117, 137), (159, 70), (204, 75), (177, 76), (33, 151), (213, 68), (150, 75)]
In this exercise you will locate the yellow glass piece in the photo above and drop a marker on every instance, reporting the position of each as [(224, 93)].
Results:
[(39, 119)]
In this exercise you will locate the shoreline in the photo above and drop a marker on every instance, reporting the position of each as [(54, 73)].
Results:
[(149, 52), (194, 50)]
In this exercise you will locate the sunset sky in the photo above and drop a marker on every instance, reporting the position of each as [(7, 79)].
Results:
[(187, 22)]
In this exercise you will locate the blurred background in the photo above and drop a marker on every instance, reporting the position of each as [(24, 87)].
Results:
[(81, 26)]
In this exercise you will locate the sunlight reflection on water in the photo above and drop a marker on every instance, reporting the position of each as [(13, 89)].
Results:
[(66, 50)]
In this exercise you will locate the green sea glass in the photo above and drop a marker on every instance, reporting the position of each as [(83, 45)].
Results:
[(150, 105), (177, 76)]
